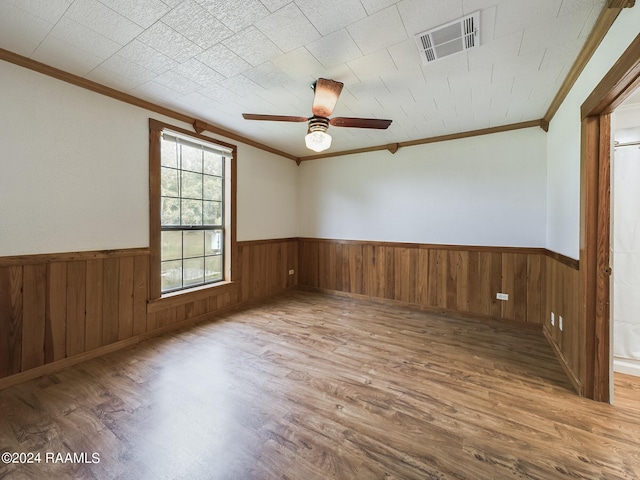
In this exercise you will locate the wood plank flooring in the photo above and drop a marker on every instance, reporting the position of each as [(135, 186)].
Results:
[(308, 386)]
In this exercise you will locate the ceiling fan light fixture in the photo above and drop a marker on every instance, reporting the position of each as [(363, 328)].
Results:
[(326, 93), (317, 141), (317, 138)]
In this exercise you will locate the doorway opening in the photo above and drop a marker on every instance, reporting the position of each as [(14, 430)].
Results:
[(625, 251), (595, 253)]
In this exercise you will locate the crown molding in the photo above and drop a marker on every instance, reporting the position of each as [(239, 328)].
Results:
[(393, 147), (599, 31)]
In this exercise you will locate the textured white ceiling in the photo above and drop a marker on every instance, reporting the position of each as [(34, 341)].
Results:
[(215, 59)]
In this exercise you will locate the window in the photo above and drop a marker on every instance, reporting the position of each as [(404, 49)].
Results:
[(190, 210)]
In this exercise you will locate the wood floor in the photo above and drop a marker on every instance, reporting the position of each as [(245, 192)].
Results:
[(306, 386)]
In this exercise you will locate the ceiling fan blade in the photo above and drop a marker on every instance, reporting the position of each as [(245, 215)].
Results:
[(274, 118), (326, 96), (360, 122)]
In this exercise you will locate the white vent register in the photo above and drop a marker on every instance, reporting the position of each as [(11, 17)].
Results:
[(449, 39)]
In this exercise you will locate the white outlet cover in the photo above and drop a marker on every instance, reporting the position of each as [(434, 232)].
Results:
[(502, 296), (560, 322), (553, 319), (291, 272)]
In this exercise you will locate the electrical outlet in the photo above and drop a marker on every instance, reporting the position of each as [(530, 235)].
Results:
[(560, 322), (502, 296), (553, 319), (291, 272)]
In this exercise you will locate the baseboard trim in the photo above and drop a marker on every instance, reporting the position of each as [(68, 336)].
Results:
[(626, 366), (575, 381), (58, 365)]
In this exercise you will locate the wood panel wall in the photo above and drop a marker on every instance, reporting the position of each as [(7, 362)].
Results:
[(54, 307), (446, 279), (265, 265), (262, 268), (562, 297), (64, 306)]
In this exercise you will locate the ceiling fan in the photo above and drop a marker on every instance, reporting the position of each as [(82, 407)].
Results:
[(324, 100)]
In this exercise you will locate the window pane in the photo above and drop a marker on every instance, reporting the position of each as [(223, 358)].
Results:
[(168, 153), (170, 182), (212, 213), (213, 242), (191, 212), (213, 268), (192, 208), (193, 271), (213, 164), (191, 158), (194, 243), (170, 211), (191, 185), (171, 245), (171, 275), (212, 188)]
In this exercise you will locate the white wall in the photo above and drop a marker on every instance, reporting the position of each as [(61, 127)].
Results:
[(74, 172), (267, 195), (487, 190), (74, 168), (563, 145)]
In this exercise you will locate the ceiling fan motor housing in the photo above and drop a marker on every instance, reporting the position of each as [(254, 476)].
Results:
[(318, 124)]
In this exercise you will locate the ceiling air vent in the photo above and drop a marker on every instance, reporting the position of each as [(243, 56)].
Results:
[(453, 37)]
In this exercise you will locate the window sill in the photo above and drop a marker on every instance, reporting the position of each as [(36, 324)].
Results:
[(195, 294)]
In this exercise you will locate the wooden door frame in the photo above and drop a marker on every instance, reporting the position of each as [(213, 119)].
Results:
[(595, 216)]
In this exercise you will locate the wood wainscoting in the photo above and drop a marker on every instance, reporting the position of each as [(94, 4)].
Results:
[(57, 306), (265, 265), (262, 269), (446, 279), (562, 297), (59, 309)]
